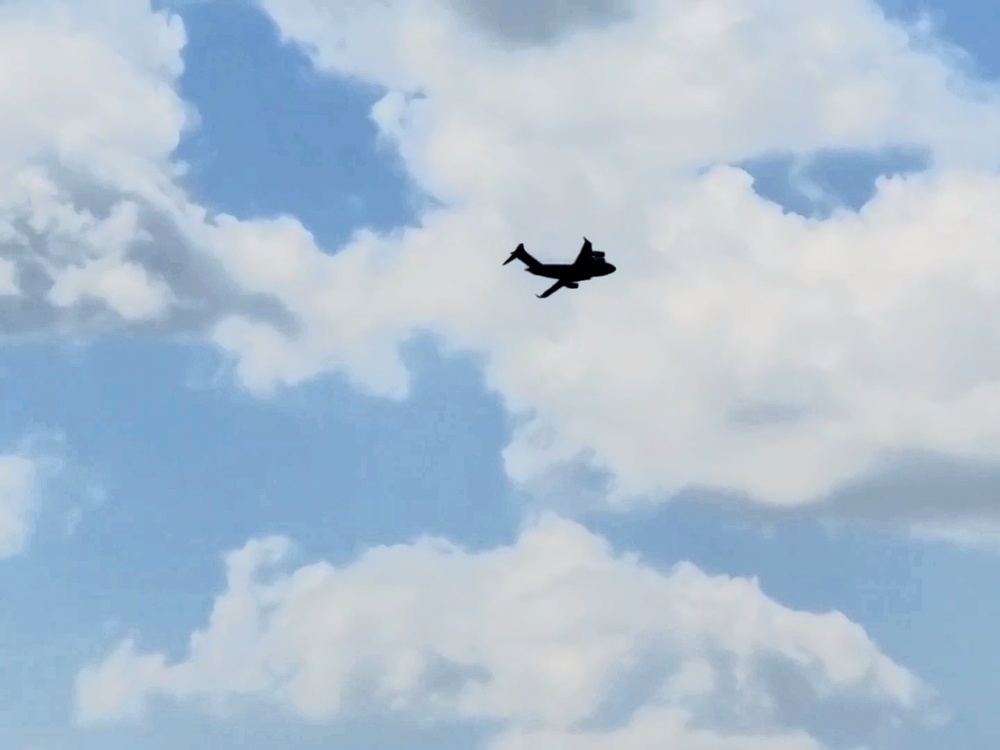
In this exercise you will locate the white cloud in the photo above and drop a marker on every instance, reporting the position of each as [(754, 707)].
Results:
[(18, 480), (737, 347), (651, 730), (89, 85), (542, 636), (680, 84), (8, 278), (96, 231), (123, 286), (93, 119)]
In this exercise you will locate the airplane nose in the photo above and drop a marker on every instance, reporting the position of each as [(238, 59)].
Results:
[(611, 268)]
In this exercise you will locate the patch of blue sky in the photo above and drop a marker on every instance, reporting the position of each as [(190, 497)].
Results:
[(276, 137), (969, 26), (816, 185)]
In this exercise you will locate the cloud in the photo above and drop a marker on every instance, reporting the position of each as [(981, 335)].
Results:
[(94, 122), (40, 481), (556, 636), (96, 233), (651, 730), (739, 348), (936, 498), (542, 21), (18, 477)]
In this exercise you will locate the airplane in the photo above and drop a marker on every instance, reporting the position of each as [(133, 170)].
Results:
[(588, 264)]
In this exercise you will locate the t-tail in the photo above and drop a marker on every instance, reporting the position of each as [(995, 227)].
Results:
[(522, 255)]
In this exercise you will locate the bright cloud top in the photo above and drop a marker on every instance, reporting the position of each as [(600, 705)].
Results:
[(737, 347), (556, 637)]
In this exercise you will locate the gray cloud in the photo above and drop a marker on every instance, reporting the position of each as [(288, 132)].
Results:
[(926, 491), (541, 21), (41, 245), (929, 494)]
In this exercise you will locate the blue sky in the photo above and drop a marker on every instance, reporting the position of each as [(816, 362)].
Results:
[(160, 460)]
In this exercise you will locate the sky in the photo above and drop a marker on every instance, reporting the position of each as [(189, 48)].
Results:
[(288, 459)]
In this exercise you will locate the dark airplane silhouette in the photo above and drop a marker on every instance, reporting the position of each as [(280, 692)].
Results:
[(588, 264)]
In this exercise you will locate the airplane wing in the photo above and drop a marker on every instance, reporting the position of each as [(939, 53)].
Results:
[(585, 252), (552, 289)]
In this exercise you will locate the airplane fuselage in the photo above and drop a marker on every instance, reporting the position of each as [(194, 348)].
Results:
[(572, 271)]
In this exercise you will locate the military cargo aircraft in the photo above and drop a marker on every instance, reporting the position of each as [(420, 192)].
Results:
[(589, 264)]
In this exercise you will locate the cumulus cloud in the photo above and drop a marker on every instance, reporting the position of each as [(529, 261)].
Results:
[(90, 127), (96, 233), (40, 480), (739, 348), (18, 475), (652, 730), (556, 638)]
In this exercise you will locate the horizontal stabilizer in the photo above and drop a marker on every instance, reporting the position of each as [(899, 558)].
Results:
[(524, 256), (518, 251)]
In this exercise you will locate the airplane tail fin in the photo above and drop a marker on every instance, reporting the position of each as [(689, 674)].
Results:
[(522, 255)]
